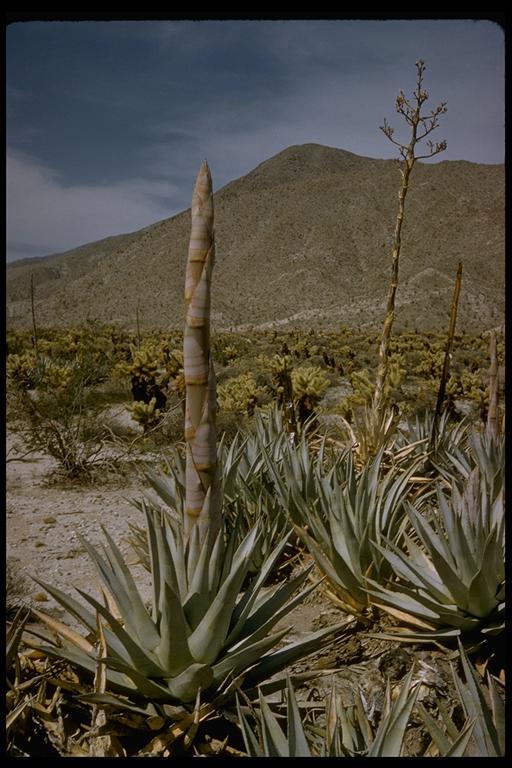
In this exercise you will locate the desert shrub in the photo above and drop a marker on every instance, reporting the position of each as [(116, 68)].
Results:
[(54, 418)]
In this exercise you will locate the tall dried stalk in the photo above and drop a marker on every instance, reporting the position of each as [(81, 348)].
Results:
[(420, 126), (33, 308), (137, 318), (202, 504), (492, 427), (288, 404), (447, 357)]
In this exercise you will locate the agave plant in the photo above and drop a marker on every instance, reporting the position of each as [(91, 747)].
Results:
[(456, 582), (450, 435), (489, 721), (342, 521), (373, 431), (206, 625), (273, 742), (485, 450), (202, 631), (201, 474), (245, 485), (348, 731), (483, 733)]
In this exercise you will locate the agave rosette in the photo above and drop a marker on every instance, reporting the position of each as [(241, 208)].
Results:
[(483, 450), (348, 731), (456, 582), (202, 630), (341, 514)]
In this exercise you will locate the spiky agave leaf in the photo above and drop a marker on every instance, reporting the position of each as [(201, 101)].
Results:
[(393, 724), (373, 431), (451, 435), (446, 738), (343, 528), (202, 629), (14, 635), (348, 731), (483, 733), (455, 583), (245, 484), (274, 742), (489, 721), (479, 449)]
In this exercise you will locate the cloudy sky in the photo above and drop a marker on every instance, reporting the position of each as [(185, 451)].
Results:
[(107, 122)]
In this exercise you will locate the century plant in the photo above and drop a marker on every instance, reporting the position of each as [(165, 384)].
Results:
[(371, 432), (447, 357), (341, 514), (483, 734), (245, 484), (202, 631), (420, 125), (454, 583), (476, 448), (451, 435), (348, 731)]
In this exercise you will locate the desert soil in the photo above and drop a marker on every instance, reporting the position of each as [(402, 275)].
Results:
[(44, 518)]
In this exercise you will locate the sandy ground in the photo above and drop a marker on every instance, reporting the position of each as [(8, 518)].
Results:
[(43, 519), (42, 523)]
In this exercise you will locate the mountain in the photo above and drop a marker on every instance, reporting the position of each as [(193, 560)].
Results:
[(302, 240)]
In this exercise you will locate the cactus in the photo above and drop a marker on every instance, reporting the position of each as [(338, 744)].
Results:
[(22, 369), (309, 385), (241, 394), (396, 370), (57, 377), (145, 414)]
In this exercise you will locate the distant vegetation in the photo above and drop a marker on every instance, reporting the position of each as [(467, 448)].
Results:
[(58, 395)]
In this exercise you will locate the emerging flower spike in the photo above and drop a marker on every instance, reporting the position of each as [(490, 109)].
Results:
[(200, 405)]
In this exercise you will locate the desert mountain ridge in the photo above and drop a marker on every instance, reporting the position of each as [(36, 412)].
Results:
[(303, 240)]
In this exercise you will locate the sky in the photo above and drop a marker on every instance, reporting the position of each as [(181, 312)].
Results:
[(108, 121)]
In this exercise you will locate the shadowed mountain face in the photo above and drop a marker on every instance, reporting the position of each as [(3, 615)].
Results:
[(303, 240)]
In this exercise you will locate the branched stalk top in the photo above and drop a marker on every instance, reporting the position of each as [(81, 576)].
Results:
[(421, 125)]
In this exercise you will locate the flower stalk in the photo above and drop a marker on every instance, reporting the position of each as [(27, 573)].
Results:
[(202, 502)]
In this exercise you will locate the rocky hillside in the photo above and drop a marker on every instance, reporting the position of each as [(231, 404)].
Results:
[(302, 240)]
